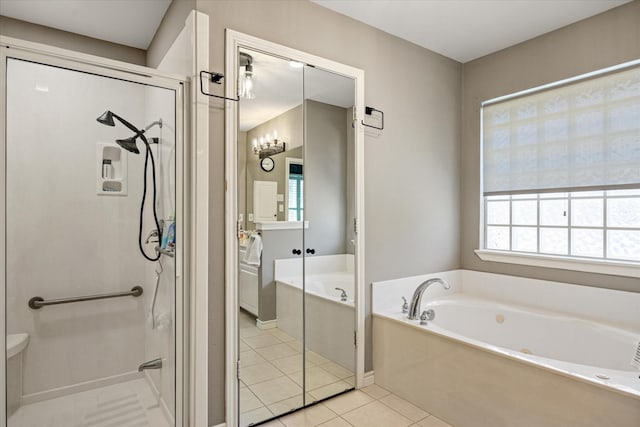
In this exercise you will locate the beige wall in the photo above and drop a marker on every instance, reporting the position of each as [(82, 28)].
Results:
[(411, 168), (40, 34), (171, 25), (609, 38)]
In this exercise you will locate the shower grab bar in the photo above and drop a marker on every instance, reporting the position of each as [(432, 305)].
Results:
[(36, 303)]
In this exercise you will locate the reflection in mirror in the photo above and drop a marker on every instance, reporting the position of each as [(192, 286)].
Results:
[(329, 277), (270, 183)]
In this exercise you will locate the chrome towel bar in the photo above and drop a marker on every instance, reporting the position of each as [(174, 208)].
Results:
[(36, 303)]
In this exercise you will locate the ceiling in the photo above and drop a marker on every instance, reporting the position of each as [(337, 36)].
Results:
[(468, 29), (128, 22)]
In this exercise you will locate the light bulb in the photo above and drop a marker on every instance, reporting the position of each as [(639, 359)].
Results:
[(275, 134), (254, 143), (267, 137)]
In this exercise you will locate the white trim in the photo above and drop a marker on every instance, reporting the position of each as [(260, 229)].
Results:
[(368, 379), (267, 324), (281, 225), (115, 69), (235, 40), (80, 387), (220, 425), (199, 230), (614, 268), (3, 239)]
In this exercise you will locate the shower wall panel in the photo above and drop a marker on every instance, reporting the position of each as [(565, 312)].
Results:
[(63, 240)]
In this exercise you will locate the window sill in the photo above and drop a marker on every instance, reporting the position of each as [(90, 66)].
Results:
[(616, 268)]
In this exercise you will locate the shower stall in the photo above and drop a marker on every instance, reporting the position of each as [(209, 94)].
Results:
[(92, 225)]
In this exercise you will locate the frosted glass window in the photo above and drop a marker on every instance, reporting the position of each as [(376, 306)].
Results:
[(623, 245), (497, 238), (587, 243), (525, 212), (587, 212), (623, 213), (525, 239), (498, 212), (554, 241), (554, 212), (574, 136)]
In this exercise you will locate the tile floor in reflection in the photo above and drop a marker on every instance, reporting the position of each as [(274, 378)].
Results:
[(271, 373)]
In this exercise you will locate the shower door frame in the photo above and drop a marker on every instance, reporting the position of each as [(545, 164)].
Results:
[(107, 68)]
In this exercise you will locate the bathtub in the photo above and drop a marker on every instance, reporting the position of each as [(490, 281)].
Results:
[(327, 317), (507, 351)]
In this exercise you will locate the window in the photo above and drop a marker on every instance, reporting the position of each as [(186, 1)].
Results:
[(561, 168), (295, 193)]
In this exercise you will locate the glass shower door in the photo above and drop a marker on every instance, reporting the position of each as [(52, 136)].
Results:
[(90, 318)]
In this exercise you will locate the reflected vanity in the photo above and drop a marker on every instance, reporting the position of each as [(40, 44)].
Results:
[(296, 208)]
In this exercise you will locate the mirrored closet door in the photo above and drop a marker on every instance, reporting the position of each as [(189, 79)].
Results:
[(295, 235)]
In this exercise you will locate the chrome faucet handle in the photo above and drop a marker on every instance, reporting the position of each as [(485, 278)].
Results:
[(427, 315), (343, 295), (405, 305), (153, 233), (424, 317)]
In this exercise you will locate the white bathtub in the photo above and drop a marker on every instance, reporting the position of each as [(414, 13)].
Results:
[(330, 322), (591, 340)]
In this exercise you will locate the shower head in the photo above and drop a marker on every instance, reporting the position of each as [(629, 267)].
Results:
[(129, 144), (106, 118)]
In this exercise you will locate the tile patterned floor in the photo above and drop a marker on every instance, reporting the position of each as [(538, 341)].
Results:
[(271, 373), (371, 406), (127, 404)]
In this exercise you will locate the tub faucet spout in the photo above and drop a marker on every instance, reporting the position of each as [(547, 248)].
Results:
[(152, 364), (414, 309)]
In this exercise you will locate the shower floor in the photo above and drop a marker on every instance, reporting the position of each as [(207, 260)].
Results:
[(127, 404)]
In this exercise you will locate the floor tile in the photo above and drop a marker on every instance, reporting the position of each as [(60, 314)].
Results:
[(249, 401), (260, 341), (281, 335), (375, 391), (309, 417), (296, 345), (250, 357), (274, 423), (252, 331), (376, 414), (289, 364), (314, 357), (243, 346), (337, 370), (336, 422), (348, 402), (277, 351), (287, 405), (258, 373), (329, 390), (403, 407), (314, 378), (254, 416), (276, 390), (432, 422)]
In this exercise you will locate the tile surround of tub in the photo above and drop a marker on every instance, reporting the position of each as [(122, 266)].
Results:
[(489, 390)]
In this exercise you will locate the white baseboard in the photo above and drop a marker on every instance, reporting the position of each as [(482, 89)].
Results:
[(77, 388), (367, 379), (220, 425), (161, 401), (267, 324)]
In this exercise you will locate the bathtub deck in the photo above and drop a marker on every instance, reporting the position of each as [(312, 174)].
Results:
[(126, 404)]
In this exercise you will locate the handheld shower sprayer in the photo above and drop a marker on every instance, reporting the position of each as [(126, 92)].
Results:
[(129, 144)]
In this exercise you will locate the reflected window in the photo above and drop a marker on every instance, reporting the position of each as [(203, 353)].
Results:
[(295, 186)]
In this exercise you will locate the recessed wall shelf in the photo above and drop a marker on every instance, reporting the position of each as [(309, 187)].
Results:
[(111, 170)]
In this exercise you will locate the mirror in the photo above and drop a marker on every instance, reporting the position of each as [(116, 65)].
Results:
[(296, 207)]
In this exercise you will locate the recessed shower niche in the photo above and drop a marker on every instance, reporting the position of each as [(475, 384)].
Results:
[(111, 170)]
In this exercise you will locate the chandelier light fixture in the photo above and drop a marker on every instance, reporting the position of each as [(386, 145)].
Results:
[(268, 145)]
